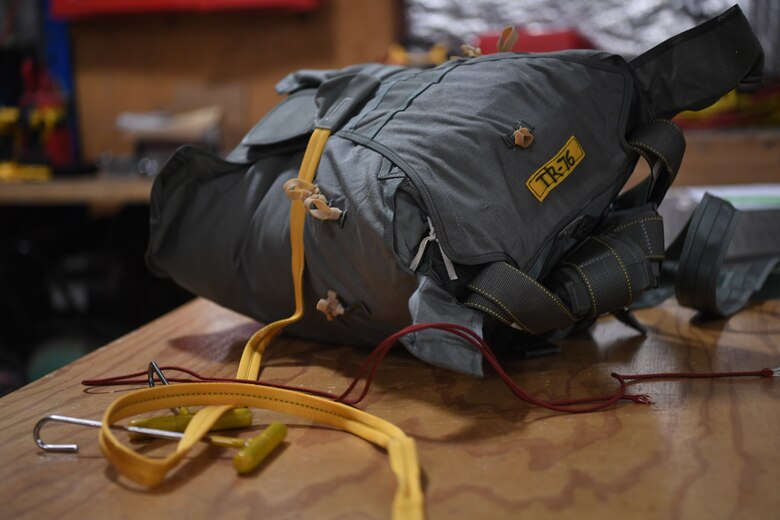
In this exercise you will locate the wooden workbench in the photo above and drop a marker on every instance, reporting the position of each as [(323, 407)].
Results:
[(704, 449)]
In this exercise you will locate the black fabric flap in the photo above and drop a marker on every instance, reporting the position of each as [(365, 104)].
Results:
[(339, 98), (291, 119), (694, 69)]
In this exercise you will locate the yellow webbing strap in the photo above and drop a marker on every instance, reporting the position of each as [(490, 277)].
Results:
[(221, 397), (249, 367)]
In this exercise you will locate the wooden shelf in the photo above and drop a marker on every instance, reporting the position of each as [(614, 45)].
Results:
[(70, 9), (731, 157), (94, 190)]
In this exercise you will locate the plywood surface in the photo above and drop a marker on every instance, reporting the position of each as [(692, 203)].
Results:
[(704, 449)]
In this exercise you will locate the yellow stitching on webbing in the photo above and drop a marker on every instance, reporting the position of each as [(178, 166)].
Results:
[(638, 221), (647, 237), (622, 266), (643, 154), (491, 312), (644, 230), (591, 261), (659, 154), (488, 311), (672, 123), (542, 287), (498, 302), (238, 394), (587, 284)]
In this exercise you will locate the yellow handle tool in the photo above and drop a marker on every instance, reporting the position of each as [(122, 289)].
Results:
[(232, 420), (257, 448), (251, 451)]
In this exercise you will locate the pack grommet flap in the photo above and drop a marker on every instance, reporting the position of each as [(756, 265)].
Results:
[(293, 118), (283, 129)]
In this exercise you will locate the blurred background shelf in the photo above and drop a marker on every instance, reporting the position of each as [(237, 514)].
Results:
[(734, 156), (71, 9), (712, 157), (113, 190)]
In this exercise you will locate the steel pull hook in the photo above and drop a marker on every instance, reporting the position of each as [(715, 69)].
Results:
[(251, 451), (72, 448), (63, 448)]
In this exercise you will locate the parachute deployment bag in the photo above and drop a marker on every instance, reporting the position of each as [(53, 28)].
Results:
[(484, 192), (425, 208)]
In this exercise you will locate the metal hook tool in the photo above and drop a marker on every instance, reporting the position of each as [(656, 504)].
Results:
[(233, 419), (155, 369), (71, 448), (251, 451)]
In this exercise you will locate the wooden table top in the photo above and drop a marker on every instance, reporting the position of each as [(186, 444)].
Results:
[(704, 449)]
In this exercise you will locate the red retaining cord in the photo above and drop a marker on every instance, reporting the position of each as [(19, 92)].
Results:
[(369, 367)]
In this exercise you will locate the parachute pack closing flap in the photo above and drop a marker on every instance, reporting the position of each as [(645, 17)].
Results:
[(680, 74), (442, 215)]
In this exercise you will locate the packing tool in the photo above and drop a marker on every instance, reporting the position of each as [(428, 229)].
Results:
[(251, 451)]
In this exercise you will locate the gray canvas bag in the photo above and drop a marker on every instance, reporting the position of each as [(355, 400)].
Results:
[(444, 214)]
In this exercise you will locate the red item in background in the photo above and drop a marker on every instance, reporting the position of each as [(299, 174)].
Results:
[(547, 41), (45, 108), (68, 9)]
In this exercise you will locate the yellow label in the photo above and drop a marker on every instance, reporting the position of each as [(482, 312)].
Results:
[(555, 171)]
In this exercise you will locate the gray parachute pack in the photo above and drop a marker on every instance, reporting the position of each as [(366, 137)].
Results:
[(486, 192)]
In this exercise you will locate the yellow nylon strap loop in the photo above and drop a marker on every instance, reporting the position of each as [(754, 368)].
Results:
[(249, 367), (220, 397), (408, 499), (200, 425)]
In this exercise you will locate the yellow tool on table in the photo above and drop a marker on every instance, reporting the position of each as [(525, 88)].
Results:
[(233, 419), (251, 451)]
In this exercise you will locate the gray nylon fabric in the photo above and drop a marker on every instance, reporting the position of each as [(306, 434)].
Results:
[(476, 215), (407, 145), (431, 303)]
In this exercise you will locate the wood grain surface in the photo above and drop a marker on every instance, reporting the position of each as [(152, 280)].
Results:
[(704, 449)]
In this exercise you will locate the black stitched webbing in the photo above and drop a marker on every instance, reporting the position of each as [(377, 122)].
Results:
[(605, 273), (702, 281), (507, 293), (662, 144), (702, 275)]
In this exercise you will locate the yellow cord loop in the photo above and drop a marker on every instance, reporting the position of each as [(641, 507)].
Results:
[(218, 398), (315, 202)]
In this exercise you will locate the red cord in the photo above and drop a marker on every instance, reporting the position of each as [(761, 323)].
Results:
[(372, 362)]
